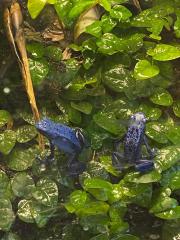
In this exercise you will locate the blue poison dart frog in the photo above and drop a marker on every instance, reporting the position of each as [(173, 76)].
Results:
[(132, 144), (66, 139)]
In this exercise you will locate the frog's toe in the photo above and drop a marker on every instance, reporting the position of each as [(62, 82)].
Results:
[(144, 166), (76, 168)]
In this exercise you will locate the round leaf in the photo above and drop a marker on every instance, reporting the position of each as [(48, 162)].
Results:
[(144, 70), (22, 185), (176, 108), (5, 117), (7, 215), (173, 213), (25, 133), (164, 52), (46, 192), (24, 211), (120, 12), (155, 130), (21, 159), (7, 141), (83, 107), (162, 98)]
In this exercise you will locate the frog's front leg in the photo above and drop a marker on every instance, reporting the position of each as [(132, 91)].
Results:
[(144, 165), (152, 152), (48, 159), (117, 157)]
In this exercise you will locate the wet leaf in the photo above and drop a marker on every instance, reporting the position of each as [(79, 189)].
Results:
[(7, 215), (176, 108), (36, 49), (136, 177), (173, 213), (164, 52), (156, 131), (125, 237), (5, 187), (22, 185), (5, 117), (54, 53), (93, 208), (144, 70), (7, 141), (108, 122), (84, 107), (106, 162), (25, 133), (173, 134), (151, 112), (162, 98), (24, 211), (20, 160), (120, 12), (39, 70), (46, 192), (95, 29), (117, 78), (167, 157)]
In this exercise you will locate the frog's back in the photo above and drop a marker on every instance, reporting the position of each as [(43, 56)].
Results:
[(132, 143), (63, 131)]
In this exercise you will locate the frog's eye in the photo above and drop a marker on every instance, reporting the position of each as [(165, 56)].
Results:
[(133, 117)]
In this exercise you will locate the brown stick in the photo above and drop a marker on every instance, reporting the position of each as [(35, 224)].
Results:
[(13, 23)]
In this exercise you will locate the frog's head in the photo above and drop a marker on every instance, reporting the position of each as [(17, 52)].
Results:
[(138, 118), (45, 127)]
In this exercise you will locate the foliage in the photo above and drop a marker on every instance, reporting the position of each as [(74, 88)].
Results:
[(124, 61)]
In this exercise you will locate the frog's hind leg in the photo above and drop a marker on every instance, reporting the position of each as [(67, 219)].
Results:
[(74, 166), (152, 152), (118, 160), (144, 165)]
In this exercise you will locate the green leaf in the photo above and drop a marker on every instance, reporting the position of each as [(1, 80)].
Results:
[(46, 192), (117, 78), (74, 115), (95, 29), (54, 53), (39, 70), (177, 24), (5, 187), (93, 208), (173, 213), (24, 211), (62, 8), (5, 117), (36, 49), (20, 160), (164, 52), (105, 4), (84, 107), (106, 162), (79, 7), (35, 8), (22, 185), (110, 43), (151, 112), (170, 230), (108, 122), (136, 177), (7, 141), (156, 131), (167, 157), (120, 12), (125, 237), (25, 133), (173, 134), (99, 188), (144, 70), (162, 98), (108, 23), (176, 108), (102, 236), (7, 215), (78, 199)]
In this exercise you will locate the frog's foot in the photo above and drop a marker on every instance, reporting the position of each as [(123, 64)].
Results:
[(144, 165), (76, 168), (117, 160)]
